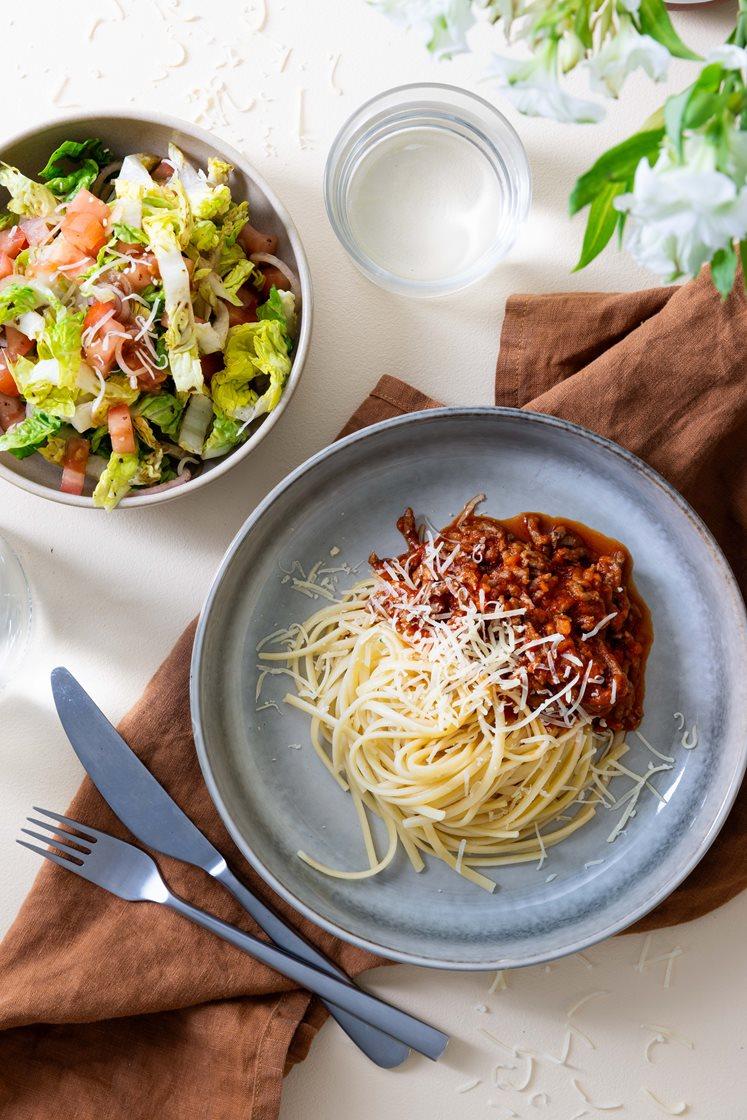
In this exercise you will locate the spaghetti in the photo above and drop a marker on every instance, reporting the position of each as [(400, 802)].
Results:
[(430, 714)]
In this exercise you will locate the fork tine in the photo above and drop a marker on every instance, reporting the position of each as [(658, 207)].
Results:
[(56, 843), (59, 832), (86, 832), (49, 855)]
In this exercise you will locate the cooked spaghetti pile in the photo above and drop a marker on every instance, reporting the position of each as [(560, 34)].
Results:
[(422, 709)]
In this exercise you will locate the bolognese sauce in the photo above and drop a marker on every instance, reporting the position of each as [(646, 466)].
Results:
[(569, 590)]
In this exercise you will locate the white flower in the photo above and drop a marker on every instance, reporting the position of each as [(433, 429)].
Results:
[(622, 55), (730, 56), (533, 88), (680, 214), (631, 6), (443, 24)]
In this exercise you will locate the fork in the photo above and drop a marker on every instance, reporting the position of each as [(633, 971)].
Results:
[(131, 874)]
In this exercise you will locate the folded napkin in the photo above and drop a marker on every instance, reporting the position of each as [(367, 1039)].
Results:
[(111, 1010)]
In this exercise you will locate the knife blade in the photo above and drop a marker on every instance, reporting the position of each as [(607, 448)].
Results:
[(151, 814)]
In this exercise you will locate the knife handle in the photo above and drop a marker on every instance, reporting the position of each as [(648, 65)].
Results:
[(417, 1034), (381, 1048)]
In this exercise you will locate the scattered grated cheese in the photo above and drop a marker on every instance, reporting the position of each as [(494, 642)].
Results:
[(680, 720), (563, 1059), (539, 1100), (481, 1009), (551, 878), (594, 1104), (467, 1086), (690, 738), (677, 1109), (602, 623), (493, 1038), (335, 60)]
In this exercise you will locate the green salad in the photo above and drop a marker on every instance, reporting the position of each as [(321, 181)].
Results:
[(144, 322)]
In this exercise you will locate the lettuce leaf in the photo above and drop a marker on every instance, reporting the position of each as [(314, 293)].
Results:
[(225, 435), (252, 349), (206, 199), (115, 481), (117, 390), (30, 199), (205, 236), (282, 307), (218, 171), (149, 469), (180, 338), (17, 299), (234, 221), (23, 439), (62, 340), (129, 234), (74, 165), (41, 385), (163, 410)]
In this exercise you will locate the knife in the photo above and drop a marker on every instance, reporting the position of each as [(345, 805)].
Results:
[(151, 814)]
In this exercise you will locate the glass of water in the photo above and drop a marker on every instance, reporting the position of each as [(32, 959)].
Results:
[(15, 613)]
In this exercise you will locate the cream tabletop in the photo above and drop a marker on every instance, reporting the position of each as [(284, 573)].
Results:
[(112, 592)]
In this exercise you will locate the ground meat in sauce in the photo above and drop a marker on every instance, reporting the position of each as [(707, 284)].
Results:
[(567, 580)]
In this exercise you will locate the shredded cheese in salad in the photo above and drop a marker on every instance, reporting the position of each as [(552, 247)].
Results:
[(145, 324)]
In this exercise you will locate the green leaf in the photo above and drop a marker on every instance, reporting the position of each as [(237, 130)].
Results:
[(601, 223), (73, 165), (129, 234), (617, 164), (743, 258), (654, 20), (693, 106), (24, 438), (7, 219), (724, 270)]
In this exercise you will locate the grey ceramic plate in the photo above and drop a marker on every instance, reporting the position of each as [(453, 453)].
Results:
[(275, 799)]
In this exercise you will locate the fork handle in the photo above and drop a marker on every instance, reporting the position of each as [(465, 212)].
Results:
[(413, 1032), (381, 1048)]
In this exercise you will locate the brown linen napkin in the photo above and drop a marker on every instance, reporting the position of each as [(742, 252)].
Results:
[(119, 1012)]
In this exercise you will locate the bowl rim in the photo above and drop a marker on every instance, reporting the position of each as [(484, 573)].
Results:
[(740, 613), (234, 156)]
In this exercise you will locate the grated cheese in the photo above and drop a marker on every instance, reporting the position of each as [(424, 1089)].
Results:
[(602, 623), (677, 1109), (468, 1085), (610, 1107)]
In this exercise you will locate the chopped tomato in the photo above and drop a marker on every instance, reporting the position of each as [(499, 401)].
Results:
[(36, 230), (18, 343), (74, 465), (247, 313), (163, 172), (138, 362), (7, 384), (121, 431), (6, 265), (142, 272), (96, 311), (100, 349), (60, 255), (211, 363), (274, 278), (12, 411), (252, 241), (12, 241), (84, 231), (87, 203)]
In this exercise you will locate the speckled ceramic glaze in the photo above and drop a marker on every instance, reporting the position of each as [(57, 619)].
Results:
[(275, 799), (125, 132)]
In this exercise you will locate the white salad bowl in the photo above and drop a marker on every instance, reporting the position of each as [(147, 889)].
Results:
[(125, 131)]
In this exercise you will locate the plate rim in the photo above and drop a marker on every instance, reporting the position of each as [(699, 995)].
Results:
[(196, 664)]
